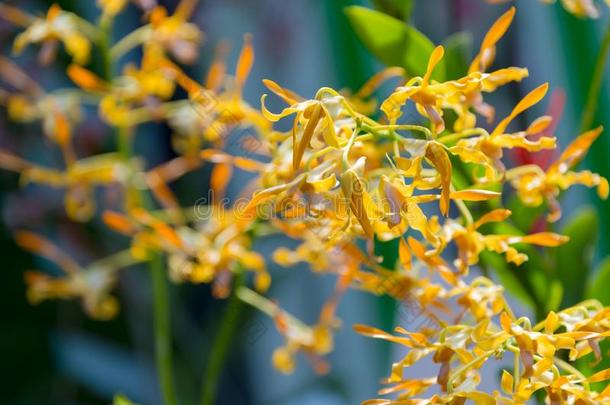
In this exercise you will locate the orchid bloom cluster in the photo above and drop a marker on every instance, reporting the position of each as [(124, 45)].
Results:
[(339, 181), (197, 251)]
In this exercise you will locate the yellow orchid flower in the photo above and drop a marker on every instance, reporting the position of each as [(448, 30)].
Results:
[(206, 252), (91, 284), (174, 33), (460, 95), (79, 179), (471, 243), (58, 26)]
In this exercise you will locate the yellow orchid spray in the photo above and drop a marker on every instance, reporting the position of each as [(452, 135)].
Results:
[(350, 173)]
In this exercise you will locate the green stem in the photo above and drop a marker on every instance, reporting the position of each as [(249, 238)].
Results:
[(104, 43), (161, 312), (221, 344), (596, 82), (162, 329)]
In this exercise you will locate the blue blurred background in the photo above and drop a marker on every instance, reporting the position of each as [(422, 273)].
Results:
[(53, 354)]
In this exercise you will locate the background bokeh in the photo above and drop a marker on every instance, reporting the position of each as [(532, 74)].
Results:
[(53, 354)]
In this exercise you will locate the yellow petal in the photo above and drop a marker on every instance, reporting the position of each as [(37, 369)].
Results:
[(529, 100), (438, 157), (507, 382), (474, 195), (544, 239)]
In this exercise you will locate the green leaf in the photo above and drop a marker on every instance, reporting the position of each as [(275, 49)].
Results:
[(573, 260), (393, 42), (599, 283), (401, 9), (458, 51)]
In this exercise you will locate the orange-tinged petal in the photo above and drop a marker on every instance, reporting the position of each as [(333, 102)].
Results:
[(219, 179), (544, 239), (380, 334), (435, 58), (505, 322), (287, 95), (377, 79), (529, 100), (118, 222), (244, 62), (248, 165), (575, 151), (474, 195), (308, 132), (43, 247), (86, 79), (217, 70), (540, 124), (600, 376), (482, 61), (507, 382)]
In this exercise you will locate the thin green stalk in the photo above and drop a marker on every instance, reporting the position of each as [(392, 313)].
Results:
[(162, 329), (104, 44), (221, 344), (161, 312), (596, 82)]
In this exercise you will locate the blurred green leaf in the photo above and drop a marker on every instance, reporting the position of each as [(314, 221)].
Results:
[(507, 276), (393, 42), (573, 259), (458, 50), (122, 400), (599, 283), (401, 9), (554, 296), (524, 216), (534, 275), (388, 251)]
